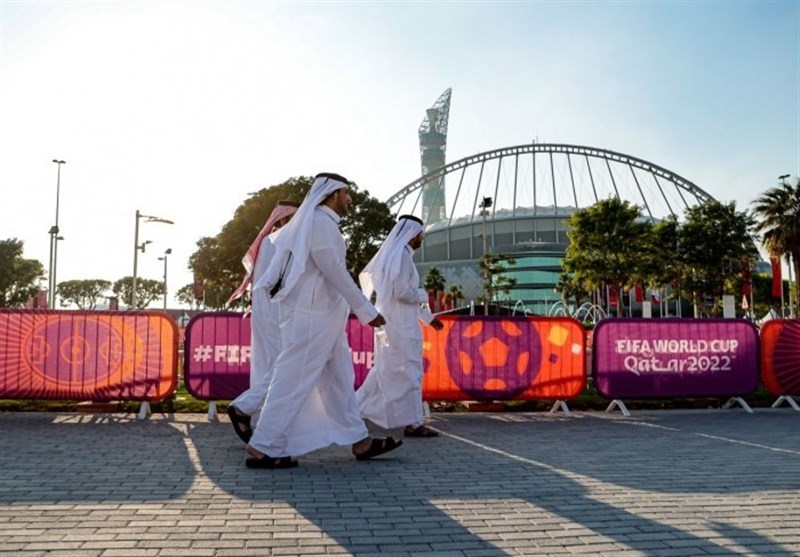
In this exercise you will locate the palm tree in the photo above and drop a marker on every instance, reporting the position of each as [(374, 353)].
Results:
[(455, 294), (434, 282), (778, 211)]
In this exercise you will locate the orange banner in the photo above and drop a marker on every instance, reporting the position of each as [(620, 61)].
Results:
[(87, 355), (780, 356), (504, 358)]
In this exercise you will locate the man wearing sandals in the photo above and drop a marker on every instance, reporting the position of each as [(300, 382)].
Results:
[(311, 403), (265, 335), (391, 395)]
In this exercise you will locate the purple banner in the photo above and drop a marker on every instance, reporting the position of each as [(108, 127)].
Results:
[(217, 354), (651, 358)]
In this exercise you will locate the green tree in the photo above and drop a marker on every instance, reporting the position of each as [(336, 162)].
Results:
[(455, 294), (434, 282), (19, 277), (83, 293), (608, 243), (714, 243), (185, 295), (571, 290), (147, 291), (218, 259), (778, 214), (495, 281)]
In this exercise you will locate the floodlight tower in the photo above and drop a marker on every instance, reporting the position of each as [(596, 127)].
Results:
[(432, 146)]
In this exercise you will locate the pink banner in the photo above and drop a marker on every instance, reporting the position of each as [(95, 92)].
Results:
[(647, 358), (217, 354)]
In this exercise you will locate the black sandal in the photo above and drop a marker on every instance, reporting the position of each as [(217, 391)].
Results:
[(239, 419), (270, 463), (421, 431), (379, 447)]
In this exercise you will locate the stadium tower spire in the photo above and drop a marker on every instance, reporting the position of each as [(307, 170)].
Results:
[(432, 146)]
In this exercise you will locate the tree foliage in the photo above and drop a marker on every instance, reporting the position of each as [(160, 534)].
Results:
[(218, 260), (434, 280), (494, 279), (778, 213), (608, 241), (612, 245), (19, 277), (185, 295), (147, 291), (713, 245), (83, 293), (455, 294)]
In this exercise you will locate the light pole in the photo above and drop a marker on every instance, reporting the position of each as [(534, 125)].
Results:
[(166, 254), (137, 247), (51, 275), (782, 178), (485, 204)]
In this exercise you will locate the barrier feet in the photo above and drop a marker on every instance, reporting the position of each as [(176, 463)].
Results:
[(788, 399), (740, 401), (144, 411), (619, 404), (560, 404)]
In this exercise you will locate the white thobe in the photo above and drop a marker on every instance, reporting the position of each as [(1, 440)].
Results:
[(264, 337), (311, 402), (391, 395)]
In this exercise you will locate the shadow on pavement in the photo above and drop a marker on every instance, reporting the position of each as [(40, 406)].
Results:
[(47, 458), (485, 476)]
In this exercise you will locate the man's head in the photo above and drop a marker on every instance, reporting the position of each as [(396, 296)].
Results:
[(416, 241), (281, 222), (340, 199)]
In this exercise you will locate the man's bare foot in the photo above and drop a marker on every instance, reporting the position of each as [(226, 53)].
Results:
[(253, 452)]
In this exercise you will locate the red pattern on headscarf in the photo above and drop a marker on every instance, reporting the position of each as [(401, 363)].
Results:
[(249, 260)]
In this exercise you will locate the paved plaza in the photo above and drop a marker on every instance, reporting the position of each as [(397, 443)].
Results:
[(659, 483)]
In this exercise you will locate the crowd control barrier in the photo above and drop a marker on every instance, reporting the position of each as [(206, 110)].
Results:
[(472, 358), (87, 355), (217, 355), (504, 358), (685, 358), (780, 359)]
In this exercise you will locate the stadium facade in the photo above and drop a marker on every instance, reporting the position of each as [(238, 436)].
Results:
[(515, 201)]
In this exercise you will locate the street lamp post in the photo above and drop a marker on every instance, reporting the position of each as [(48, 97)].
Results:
[(782, 178), (166, 254), (485, 204), (54, 238), (137, 247)]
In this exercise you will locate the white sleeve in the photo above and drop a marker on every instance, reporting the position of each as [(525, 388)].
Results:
[(402, 290), (324, 256)]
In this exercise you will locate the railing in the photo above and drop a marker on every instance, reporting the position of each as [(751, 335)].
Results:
[(105, 356)]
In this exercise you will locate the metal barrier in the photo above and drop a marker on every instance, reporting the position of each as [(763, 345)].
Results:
[(683, 358), (87, 355), (780, 359)]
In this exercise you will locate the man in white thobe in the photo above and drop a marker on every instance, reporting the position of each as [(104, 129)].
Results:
[(265, 335), (311, 402), (391, 395)]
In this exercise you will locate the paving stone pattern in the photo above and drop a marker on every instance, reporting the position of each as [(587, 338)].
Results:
[(668, 483)]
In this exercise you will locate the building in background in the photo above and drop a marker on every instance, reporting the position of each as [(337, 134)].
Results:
[(515, 200)]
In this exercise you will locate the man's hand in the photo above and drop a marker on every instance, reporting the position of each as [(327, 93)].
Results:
[(437, 324), (378, 321)]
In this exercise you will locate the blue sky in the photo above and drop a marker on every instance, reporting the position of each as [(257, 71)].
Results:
[(180, 109)]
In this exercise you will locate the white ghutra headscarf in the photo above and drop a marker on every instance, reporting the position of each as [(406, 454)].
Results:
[(382, 270), (293, 244)]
